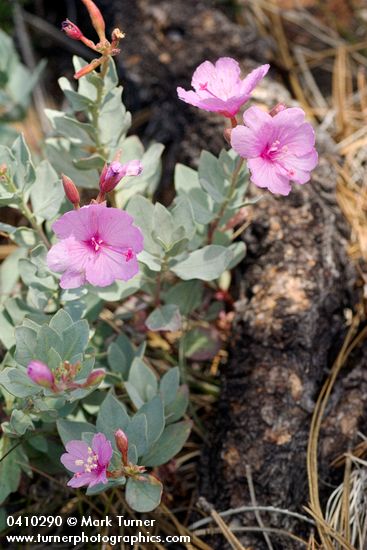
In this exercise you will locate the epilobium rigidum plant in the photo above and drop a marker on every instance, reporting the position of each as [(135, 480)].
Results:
[(90, 282)]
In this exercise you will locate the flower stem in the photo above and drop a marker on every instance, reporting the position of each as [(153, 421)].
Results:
[(27, 212), (184, 379), (234, 122), (95, 112), (215, 223)]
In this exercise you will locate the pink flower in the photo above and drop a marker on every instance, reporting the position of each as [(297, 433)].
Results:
[(40, 374), (278, 149), (114, 172), (89, 463), (97, 245), (219, 87)]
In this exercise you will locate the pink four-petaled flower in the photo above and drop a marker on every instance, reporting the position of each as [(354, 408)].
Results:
[(89, 463), (278, 149), (98, 245), (219, 87)]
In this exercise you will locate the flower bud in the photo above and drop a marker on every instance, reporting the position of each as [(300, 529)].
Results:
[(3, 171), (114, 172), (122, 444), (71, 30), (71, 191), (95, 377), (40, 374), (97, 18), (277, 109)]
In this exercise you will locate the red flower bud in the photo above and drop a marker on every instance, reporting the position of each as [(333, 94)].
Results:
[(122, 444), (277, 109), (95, 377), (40, 374), (96, 18), (3, 170), (71, 30), (71, 191)]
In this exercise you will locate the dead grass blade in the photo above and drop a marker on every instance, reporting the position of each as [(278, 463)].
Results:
[(326, 532)]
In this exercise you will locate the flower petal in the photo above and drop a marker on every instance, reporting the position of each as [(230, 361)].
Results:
[(116, 229), (69, 254), (202, 75), (110, 265), (82, 479), (246, 142), (255, 118), (103, 449), (226, 82), (100, 478), (264, 174), (72, 279), (298, 139), (293, 116), (81, 224), (77, 448), (68, 461), (252, 79), (300, 166)]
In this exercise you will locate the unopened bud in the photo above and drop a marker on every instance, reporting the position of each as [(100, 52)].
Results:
[(95, 377), (227, 135), (71, 30), (97, 18), (71, 190), (40, 374), (3, 170), (114, 172), (122, 444), (278, 109)]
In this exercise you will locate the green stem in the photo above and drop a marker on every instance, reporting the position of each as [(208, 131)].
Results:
[(215, 223), (158, 288), (27, 212), (184, 379), (95, 111)]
